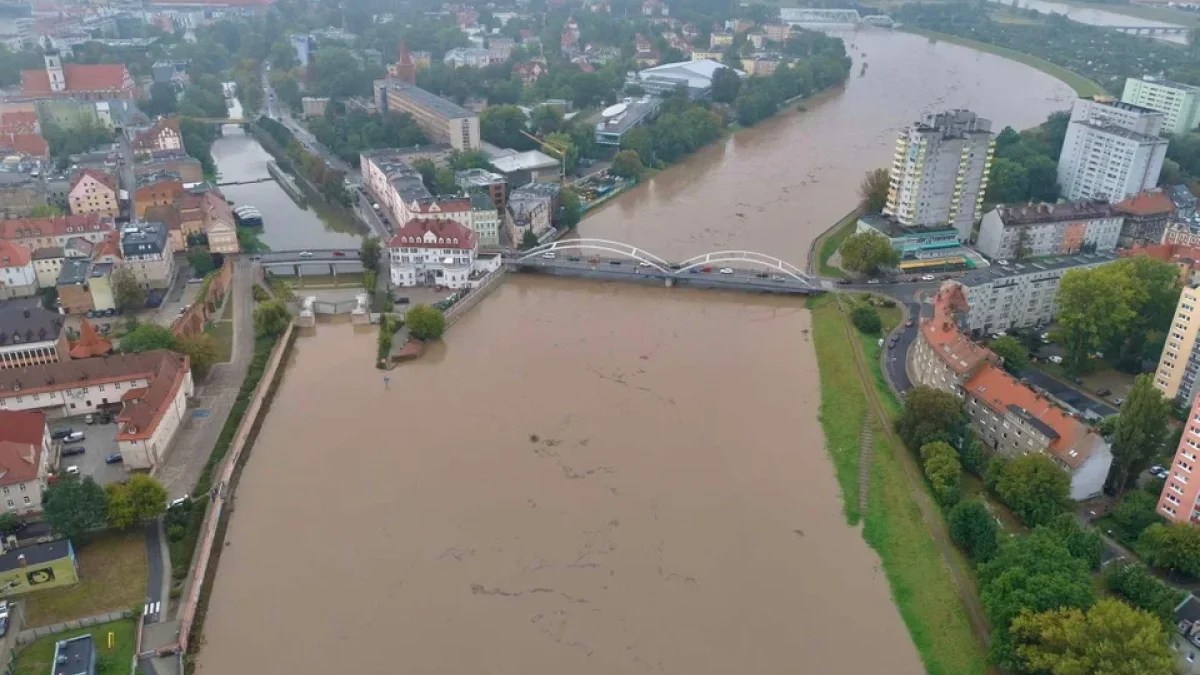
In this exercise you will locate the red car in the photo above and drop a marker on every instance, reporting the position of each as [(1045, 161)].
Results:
[(339, 254)]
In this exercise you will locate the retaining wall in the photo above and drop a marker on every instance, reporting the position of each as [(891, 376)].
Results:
[(489, 284)]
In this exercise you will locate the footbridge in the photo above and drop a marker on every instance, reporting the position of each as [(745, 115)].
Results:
[(613, 260), (1151, 30), (312, 261)]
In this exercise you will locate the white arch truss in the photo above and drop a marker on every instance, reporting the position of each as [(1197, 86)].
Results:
[(605, 245), (761, 259)]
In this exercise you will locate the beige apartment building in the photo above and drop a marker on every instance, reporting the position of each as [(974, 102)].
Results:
[(443, 121), (1176, 373)]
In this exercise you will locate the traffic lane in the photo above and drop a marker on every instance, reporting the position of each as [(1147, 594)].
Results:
[(897, 356), (1067, 394), (154, 578), (328, 256), (763, 279)]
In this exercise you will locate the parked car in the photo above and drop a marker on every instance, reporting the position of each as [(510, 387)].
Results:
[(549, 255), (1057, 360), (1002, 261), (1103, 392), (614, 262), (908, 324), (726, 270), (90, 419), (61, 434), (401, 301), (872, 281), (114, 458), (110, 312), (1156, 468), (1045, 337), (573, 258), (73, 437), (73, 450), (339, 254), (178, 502), (927, 277), (91, 314), (1118, 401), (306, 254)]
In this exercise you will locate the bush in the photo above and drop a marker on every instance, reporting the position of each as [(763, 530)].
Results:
[(176, 532), (940, 463), (974, 529), (866, 320), (425, 322), (260, 294), (1136, 585)]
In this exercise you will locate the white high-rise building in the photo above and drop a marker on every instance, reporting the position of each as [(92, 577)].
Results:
[(1112, 151), (1179, 103), (940, 171)]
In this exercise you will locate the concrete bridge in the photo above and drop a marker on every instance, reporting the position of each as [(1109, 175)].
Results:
[(312, 261), (1151, 30), (606, 259)]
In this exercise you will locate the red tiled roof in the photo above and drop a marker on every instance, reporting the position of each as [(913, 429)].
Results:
[(449, 233), (167, 214), (19, 122), (1146, 203), (140, 417), (13, 254), (146, 139), (106, 179), (942, 334), (57, 226), (25, 144), (71, 373), (21, 435), (109, 246), (79, 77), (90, 343), (1175, 253)]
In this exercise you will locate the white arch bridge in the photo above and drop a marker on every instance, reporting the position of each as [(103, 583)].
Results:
[(607, 259)]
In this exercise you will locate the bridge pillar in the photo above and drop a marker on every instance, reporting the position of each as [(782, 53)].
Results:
[(669, 282)]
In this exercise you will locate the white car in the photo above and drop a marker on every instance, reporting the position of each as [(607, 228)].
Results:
[(1056, 360), (306, 254), (872, 281), (1045, 337), (72, 470), (643, 264), (548, 255), (74, 437), (927, 277), (726, 270), (1002, 261)]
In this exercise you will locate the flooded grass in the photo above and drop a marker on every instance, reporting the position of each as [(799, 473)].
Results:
[(112, 577), (831, 241)]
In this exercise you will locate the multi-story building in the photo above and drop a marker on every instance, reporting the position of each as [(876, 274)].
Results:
[(401, 192), (1036, 230), (1179, 103), (74, 294), (56, 231), (531, 209), (1020, 294), (219, 226), (162, 136), (18, 279), (148, 253), (484, 220), (940, 171), (1177, 368), (617, 119), (918, 248), (94, 191), (1010, 418), (25, 455), (78, 81), (156, 189), (442, 121), (1147, 216), (432, 252), (480, 180), (151, 388), (469, 57), (1178, 501), (30, 335), (188, 168), (47, 262), (1112, 151)]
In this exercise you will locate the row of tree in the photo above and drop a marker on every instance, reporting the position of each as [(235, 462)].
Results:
[(74, 506), (348, 135)]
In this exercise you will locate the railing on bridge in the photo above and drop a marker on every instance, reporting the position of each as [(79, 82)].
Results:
[(818, 16)]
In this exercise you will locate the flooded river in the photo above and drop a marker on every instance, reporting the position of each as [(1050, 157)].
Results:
[(286, 225), (593, 478)]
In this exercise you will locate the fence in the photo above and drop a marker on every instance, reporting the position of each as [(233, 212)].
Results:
[(222, 493), (339, 307)]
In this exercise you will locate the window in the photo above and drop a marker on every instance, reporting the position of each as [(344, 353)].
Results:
[(27, 501)]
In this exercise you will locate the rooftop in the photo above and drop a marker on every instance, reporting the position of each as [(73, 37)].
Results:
[(624, 116), (538, 189), (995, 272), (105, 178), (1122, 132), (433, 102), (21, 436), (696, 74), (90, 344), (77, 655), (1030, 214), (953, 124), (433, 233), (13, 254), (67, 374), (1153, 202), (890, 227), (477, 178), (140, 416), (74, 272), (1124, 105), (941, 332), (57, 226), (1165, 83), (523, 161), (1187, 619), (48, 253), (22, 323), (151, 177), (79, 77)]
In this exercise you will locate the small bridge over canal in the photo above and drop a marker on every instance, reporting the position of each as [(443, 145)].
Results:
[(312, 262)]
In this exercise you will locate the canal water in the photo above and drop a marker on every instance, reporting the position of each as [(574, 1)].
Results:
[(286, 225), (595, 478)]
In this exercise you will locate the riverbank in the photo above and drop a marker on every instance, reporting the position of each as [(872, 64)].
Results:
[(828, 243), (895, 526), (1083, 86)]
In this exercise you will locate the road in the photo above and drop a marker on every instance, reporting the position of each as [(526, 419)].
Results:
[(897, 356), (278, 112), (157, 592), (610, 268)]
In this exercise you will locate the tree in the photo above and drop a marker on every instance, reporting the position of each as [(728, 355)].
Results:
[(974, 529), (337, 74), (147, 336), (1141, 428), (627, 164), (1093, 307), (639, 140), (1143, 590), (72, 506), (147, 496), (126, 291), (1084, 544), (867, 320), (726, 84), (201, 349), (565, 149), (868, 253), (546, 119), (201, 261), (502, 125), (369, 253), (271, 318), (1033, 573), (1175, 547), (1016, 357), (1110, 638), (118, 510), (1136, 511), (873, 190), (528, 240), (571, 209), (1033, 486), (930, 415), (940, 463), (425, 322)]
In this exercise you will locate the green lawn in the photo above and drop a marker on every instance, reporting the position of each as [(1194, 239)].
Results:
[(38, 657), (222, 332), (329, 281), (1082, 85), (828, 244), (922, 585), (1165, 14), (112, 577)]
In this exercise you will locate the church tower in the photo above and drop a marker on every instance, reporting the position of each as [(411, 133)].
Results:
[(54, 70)]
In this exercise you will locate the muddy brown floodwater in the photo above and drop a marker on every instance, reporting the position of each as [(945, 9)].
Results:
[(587, 479), (591, 478)]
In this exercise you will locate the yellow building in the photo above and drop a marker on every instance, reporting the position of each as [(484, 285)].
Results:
[(35, 568), (1172, 377)]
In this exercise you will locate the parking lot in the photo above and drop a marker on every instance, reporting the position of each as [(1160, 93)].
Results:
[(99, 442)]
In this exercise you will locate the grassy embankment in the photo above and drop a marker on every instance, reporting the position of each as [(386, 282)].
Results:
[(830, 241), (1082, 85), (38, 657), (922, 585)]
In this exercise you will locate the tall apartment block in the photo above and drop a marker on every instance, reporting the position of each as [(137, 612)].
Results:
[(940, 171), (1179, 103), (1177, 502), (1112, 151), (1180, 360), (442, 121)]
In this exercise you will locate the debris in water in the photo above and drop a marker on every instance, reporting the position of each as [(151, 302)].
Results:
[(534, 438)]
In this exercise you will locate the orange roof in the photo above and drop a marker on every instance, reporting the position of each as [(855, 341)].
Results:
[(57, 226), (25, 144), (19, 122), (1147, 203), (90, 343), (109, 246), (80, 77), (942, 334), (13, 254), (1004, 394), (167, 214), (21, 436), (1175, 253), (146, 139), (139, 418), (106, 179)]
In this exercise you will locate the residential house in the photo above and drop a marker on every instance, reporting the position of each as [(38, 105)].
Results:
[(94, 191), (18, 279), (400, 191), (484, 220), (47, 262), (152, 415), (529, 71), (467, 57), (1147, 215), (519, 168), (56, 230), (777, 32), (154, 189), (163, 136), (171, 217), (428, 251), (529, 210), (148, 252), (25, 454), (493, 184), (219, 224), (30, 335), (500, 48), (188, 168)]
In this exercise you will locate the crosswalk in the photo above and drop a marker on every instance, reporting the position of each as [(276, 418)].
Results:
[(152, 608)]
